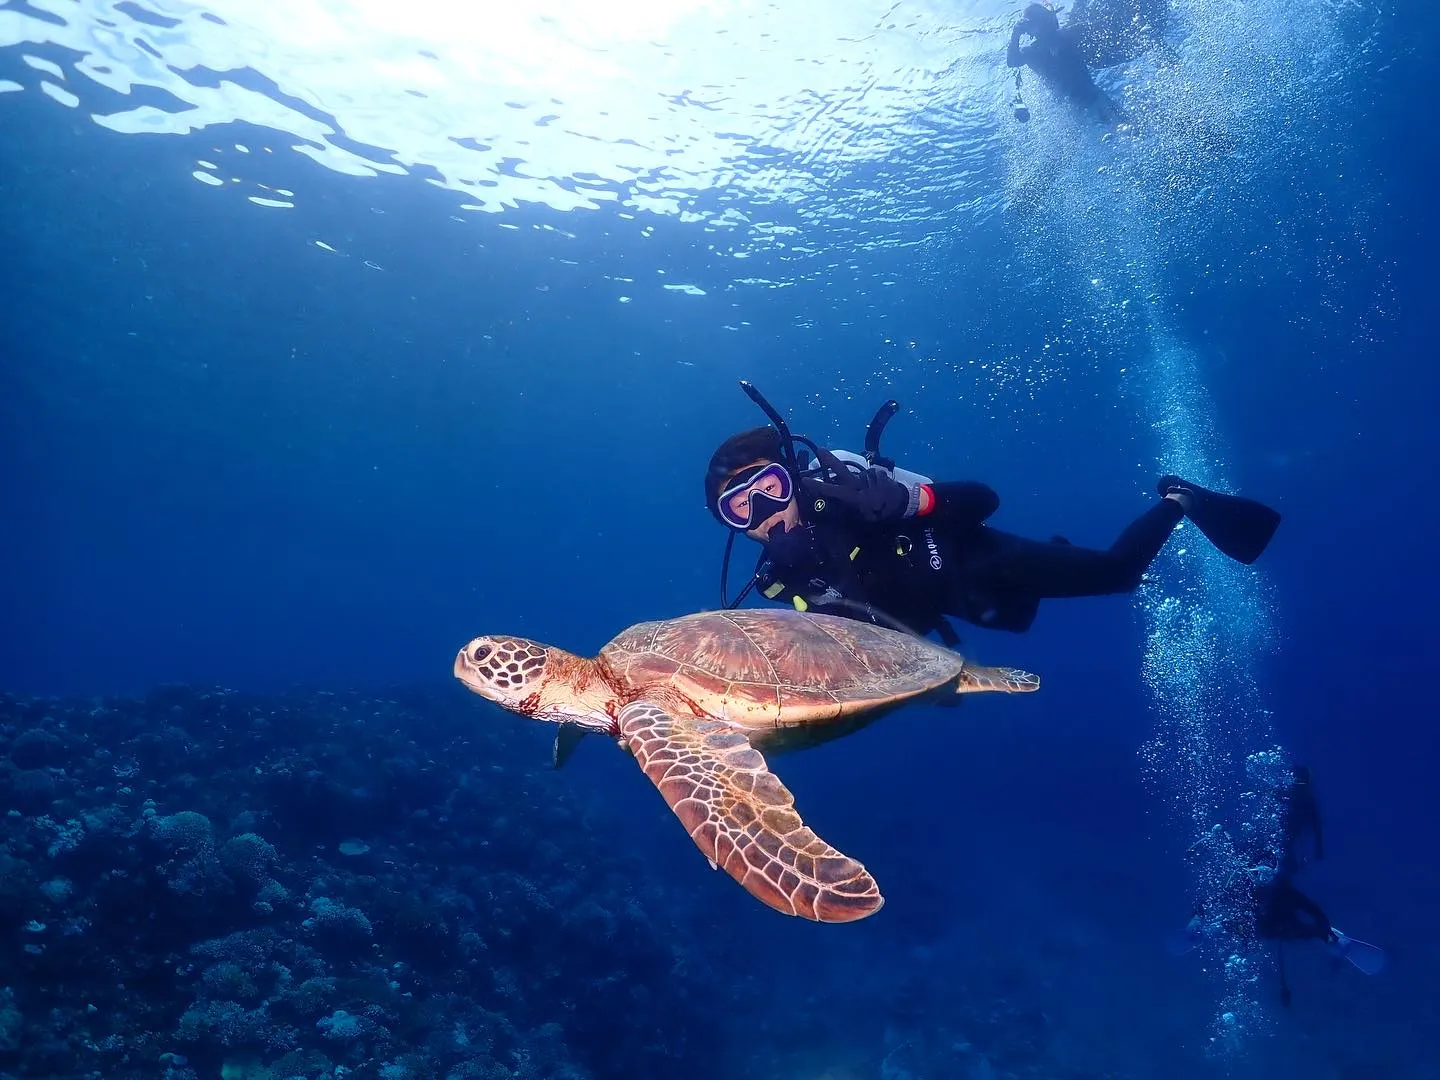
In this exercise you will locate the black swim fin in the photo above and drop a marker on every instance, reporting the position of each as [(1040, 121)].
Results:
[(1238, 527)]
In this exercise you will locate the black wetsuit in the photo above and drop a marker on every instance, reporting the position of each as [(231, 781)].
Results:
[(1284, 913), (1301, 829), (1058, 60), (914, 572)]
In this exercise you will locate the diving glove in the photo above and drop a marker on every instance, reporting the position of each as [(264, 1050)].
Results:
[(874, 495)]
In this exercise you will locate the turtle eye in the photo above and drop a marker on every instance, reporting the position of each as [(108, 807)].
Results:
[(480, 653)]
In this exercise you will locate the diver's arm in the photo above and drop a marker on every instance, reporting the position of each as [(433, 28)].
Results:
[(1014, 54), (875, 496), (967, 502), (788, 585), (866, 497)]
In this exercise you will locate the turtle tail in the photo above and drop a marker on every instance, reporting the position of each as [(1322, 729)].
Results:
[(978, 679)]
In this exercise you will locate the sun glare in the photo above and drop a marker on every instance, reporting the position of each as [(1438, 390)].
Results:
[(563, 102)]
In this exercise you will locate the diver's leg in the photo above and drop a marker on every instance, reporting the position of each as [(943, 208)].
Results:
[(1315, 921), (1284, 983), (1057, 569)]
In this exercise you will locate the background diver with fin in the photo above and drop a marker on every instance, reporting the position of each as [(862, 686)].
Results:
[(850, 534), (1268, 894)]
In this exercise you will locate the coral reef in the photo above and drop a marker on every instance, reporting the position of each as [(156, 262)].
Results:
[(203, 884)]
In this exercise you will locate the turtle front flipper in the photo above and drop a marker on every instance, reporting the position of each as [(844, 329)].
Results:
[(977, 679), (743, 818)]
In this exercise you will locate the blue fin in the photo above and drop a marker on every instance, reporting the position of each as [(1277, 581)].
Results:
[(1368, 958), (1185, 940)]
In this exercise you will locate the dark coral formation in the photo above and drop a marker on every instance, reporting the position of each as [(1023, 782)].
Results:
[(203, 883)]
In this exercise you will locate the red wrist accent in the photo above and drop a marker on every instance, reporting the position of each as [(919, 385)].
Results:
[(927, 500)]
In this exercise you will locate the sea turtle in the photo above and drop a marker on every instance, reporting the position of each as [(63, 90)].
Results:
[(696, 699)]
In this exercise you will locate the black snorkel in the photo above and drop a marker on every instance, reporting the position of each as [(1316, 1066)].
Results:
[(787, 440), (839, 472), (790, 459), (791, 462)]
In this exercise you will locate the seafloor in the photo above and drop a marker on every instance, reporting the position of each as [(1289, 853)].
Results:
[(207, 884)]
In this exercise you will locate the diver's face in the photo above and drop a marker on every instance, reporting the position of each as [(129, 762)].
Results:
[(761, 488), (1041, 23)]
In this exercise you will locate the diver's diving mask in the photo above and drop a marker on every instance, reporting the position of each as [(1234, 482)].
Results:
[(754, 495)]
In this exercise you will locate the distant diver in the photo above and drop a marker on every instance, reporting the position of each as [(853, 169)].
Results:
[(1097, 35), (1281, 912), (854, 535)]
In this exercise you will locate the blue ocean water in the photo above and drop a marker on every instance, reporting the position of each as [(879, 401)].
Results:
[(338, 334)]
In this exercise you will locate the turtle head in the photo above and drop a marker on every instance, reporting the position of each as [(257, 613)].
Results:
[(534, 680)]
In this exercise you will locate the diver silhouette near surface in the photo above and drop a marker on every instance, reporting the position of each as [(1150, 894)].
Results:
[(1096, 35)]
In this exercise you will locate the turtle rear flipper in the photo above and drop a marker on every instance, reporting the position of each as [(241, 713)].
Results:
[(566, 740), (977, 679), (743, 818)]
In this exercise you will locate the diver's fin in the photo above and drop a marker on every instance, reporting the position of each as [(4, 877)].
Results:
[(566, 739), (1368, 958), (1238, 527), (1186, 939)]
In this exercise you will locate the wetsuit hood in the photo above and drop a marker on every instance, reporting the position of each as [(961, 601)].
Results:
[(1043, 22), (760, 445)]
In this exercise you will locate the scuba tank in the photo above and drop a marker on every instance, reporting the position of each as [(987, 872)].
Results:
[(905, 476)]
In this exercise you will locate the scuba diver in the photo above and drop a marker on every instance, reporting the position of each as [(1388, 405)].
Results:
[(853, 535), (1055, 56), (1281, 912), (1098, 34)]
